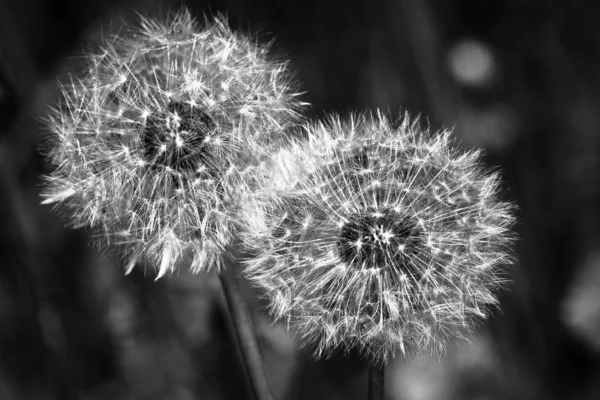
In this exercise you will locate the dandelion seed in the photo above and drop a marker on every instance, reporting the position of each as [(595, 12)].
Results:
[(146, 141), (384, 268)]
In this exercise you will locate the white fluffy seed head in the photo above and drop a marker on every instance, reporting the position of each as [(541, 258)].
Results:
[(387, 239), (151, 143)]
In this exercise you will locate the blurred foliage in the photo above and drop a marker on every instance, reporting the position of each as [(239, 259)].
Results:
[(519, 78)]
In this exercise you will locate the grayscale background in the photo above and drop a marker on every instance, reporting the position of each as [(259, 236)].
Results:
[(519, 78)]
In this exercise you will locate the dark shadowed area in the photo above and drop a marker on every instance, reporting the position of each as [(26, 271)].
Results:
[(520, 79)]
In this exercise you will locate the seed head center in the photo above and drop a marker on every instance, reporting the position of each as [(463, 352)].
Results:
[(176, 137), (382, 240)]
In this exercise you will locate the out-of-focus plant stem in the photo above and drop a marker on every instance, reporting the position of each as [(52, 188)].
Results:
[(376, 382), (26, 247), (246, 337), (425, 39)]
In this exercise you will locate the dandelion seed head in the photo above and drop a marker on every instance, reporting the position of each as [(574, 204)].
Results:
[(388, 239), (151, 144)]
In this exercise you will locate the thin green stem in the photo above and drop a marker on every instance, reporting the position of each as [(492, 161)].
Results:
[(376, 383), (246, 337)]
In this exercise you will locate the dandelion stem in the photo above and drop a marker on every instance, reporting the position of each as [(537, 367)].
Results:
[(246, 338), (376, 381)]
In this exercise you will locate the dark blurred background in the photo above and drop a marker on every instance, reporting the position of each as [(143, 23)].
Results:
[(519, 78)]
